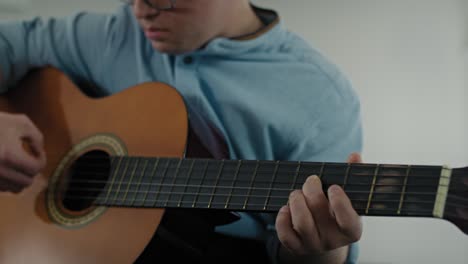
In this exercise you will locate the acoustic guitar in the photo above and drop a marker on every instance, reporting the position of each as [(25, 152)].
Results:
[(116, 163)]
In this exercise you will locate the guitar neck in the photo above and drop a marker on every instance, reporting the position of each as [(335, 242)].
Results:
[(248, 185)]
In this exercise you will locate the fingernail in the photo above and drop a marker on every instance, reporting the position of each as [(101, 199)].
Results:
[(292, 195), (314, 178), (333, 190), (284, 209)]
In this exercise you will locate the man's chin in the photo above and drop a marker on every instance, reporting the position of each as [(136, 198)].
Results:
[(167, 48)]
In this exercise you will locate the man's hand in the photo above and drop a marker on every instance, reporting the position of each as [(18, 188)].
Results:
[(312, 227), (17, 165)]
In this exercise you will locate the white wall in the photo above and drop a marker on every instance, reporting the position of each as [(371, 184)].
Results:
[(409, 62)]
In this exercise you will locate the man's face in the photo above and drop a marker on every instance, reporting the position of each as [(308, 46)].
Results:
[(186, 27)]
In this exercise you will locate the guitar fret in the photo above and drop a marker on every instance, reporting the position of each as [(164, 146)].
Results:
[(271, 186), (322, 168), (293, 186), (346, 176), (139, 183), (173, 183), (216, 183), (121, 180), (442, 192), (400, 205), (199, 187), (151, 181), (113, 179), (372, 189), (158, 192), (251, 185), (130, 181), (239, 163), (186, 183)]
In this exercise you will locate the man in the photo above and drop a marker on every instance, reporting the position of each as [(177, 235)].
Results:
[(245, 78)]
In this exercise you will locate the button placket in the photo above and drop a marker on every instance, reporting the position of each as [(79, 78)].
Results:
[(188, 60), (186, 72)]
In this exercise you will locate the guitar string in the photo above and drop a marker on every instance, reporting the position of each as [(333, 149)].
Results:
[(238, 182), (292, 170), (158, 203), (259, 174), (254, 196), (215, 173), (214, 194), (253, 162), (211, 189), (460, 198), (448, 214), (209, 171)]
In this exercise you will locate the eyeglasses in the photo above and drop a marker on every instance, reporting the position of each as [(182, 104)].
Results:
[(158, 5)]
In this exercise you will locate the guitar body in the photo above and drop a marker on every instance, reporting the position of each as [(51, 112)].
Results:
[(146, 120)]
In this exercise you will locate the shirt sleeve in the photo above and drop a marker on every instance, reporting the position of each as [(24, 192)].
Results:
[(335, 131), (353, 254), (79, 45), (273, 244), (334, 135)]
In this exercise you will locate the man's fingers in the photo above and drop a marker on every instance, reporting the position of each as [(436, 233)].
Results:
[(38, 155), (29, 159), (317, 202), (346, 217), (22, 154), (12, 180), (303, 221), (33, 136), (286, 234), (354, 158), (9, 187), (19, 159)]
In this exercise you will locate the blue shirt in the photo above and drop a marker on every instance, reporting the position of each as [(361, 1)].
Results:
[(270, 96)]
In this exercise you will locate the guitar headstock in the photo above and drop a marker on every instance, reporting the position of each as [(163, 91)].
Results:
[(456, 206)]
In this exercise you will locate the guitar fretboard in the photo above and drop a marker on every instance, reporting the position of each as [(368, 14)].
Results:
[(250, 185)]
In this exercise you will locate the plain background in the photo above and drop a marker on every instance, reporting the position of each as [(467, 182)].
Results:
[(408, 60)]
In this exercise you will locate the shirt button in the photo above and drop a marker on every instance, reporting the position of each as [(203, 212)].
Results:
[(188, 60)]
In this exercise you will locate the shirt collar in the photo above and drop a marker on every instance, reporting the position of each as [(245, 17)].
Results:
[(269, 18), (272, 32)]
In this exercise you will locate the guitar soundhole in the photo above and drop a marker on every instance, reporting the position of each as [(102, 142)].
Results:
[(86, 179)]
